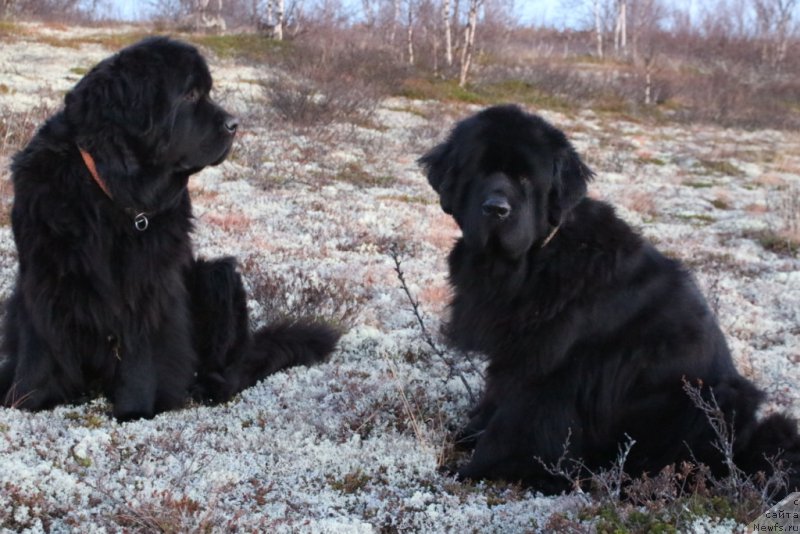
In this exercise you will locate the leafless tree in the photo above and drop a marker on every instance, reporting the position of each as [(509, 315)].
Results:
[(279, 9), (447, 26), (395, 19), (469, 41), (645, 18), (598, 28), (621, 27), (6, 8), (773, 19), (410, 31), (46, 9)]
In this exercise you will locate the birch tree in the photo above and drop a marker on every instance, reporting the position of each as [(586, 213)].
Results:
[(410, 32), (598, 28), (448, 36), (620, 26), (774, 18), (200, 18), (469, 41), (645, 17), (6, 7), (395, 18), (279, 8)]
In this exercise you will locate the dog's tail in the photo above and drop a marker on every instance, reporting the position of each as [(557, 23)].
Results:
[(286, 344), (269, 350), (231, 358)]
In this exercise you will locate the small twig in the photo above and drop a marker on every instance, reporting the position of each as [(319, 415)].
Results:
[(395, 254), (737, 484), (723, 429), (571, 473)]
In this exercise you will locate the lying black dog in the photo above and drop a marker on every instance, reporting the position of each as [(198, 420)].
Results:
[(109, 296), (591, 333)]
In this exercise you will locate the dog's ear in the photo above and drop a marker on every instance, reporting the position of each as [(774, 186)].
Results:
[(109, 97), (571, 176), (438, 166), (107, 125)]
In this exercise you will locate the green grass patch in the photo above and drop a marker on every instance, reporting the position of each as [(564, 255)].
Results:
[(113, 41), (353, 173), (700, 218), (80, 71), (697, 184), (410, 110), (648, 160), (777, 243), (351, 483), (611, 103), (409, 199), (88, 420), (521, 92), (440, 90), (517, 91), (243, 46), (8, 28), (724, 167)]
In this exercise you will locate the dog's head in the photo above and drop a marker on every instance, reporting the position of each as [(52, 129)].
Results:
[(508, 178), (146, 111)]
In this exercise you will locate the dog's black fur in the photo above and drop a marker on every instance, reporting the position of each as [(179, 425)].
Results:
[(100, 306), (590, 333)]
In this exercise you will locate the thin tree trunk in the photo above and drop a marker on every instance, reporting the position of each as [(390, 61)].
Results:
[(454, 22), (598, 28), (279, 7), (469, 41), (620, 27), (435, 44), (410, 33), (785, 10), (395, 17), (268, 16), (448, 37)]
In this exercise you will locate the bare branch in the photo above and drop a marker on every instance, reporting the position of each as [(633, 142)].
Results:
[(426, 336)]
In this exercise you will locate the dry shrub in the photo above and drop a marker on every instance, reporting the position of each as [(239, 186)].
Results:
[(783, 237), (231, 222), (324, 86), (672, 499), (640, 202), (300, 294), (6, 201), (17, 127), (787, 205)]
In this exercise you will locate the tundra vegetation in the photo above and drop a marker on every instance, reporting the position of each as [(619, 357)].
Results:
[(689, 119)]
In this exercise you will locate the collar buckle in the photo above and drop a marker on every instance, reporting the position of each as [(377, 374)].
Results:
[(141, 222)]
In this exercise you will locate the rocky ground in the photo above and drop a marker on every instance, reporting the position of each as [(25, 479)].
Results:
[(353, 445)]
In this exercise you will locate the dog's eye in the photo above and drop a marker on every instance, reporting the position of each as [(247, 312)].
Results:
[(192, 96)]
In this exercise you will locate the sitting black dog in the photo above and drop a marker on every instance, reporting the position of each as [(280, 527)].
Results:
[(592, 335), (109, 297)]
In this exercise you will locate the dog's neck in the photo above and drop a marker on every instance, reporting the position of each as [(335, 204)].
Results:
[(140, 220)]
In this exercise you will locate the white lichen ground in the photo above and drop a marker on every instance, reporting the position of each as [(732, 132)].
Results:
[(353, 445)]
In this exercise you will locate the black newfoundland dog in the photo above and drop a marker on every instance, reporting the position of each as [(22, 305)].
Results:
[(591, 333), (109, 297)]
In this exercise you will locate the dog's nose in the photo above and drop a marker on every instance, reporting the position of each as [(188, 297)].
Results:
[(231, 124), (496, 207)]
